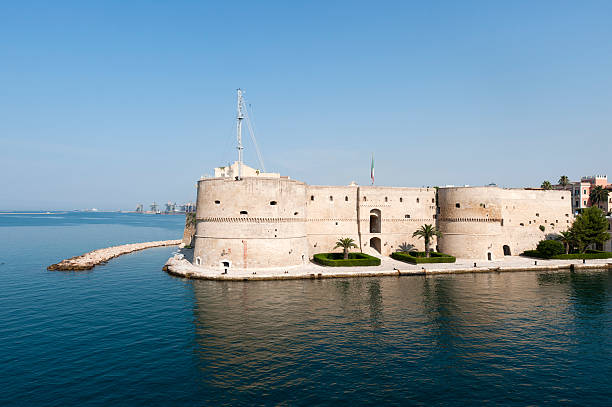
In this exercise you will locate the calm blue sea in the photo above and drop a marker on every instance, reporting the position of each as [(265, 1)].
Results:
[(128, 334)]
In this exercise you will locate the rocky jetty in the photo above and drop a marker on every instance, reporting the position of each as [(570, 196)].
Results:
[(89, 260)]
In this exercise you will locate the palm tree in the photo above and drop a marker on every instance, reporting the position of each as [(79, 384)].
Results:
[(564, 181), (427, 232), (567, 238), (346, 243), (546, 185), (598, 194), (405, 248)]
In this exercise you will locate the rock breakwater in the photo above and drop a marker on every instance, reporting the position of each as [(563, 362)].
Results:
[(89, 260)]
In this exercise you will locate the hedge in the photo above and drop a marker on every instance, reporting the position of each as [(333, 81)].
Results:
[(354, 260), (419, 257), (591, 254)]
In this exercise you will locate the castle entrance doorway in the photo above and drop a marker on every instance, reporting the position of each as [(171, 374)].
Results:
[(506, 250), (375, 244), (375, 221)]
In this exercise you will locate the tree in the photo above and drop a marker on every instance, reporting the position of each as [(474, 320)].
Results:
[(427, 232), (590, 227), (564, 180), (568, 239), (546, 185), (345, 243), (405, 248), (598, 195)]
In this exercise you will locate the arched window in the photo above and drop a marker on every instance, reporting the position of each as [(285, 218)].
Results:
[(375, 221), (365, 199), (417, 200), (346, 198), (331, 198), (401, 199), (312, 197)]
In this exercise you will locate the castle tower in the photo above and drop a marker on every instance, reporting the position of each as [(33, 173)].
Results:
[(253, 222)]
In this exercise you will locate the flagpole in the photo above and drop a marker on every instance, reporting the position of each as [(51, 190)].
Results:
[(372, 169)]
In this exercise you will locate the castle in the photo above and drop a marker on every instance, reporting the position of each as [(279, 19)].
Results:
[(264, 220)]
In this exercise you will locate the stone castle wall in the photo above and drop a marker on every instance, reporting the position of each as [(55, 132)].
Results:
[(250, 223), (334, 212), (477, 222), (278, 222)]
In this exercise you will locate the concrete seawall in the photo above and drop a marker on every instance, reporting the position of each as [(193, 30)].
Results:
[(89, 260), (180, 266)]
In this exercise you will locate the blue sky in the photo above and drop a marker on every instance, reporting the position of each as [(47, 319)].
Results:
[(111, 103)]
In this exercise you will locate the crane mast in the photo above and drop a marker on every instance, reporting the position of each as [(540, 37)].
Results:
[(239, 118)]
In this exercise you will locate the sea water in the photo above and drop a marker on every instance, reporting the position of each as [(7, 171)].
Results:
[(126, 333)]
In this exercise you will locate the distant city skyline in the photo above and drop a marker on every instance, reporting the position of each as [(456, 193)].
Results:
[(112, 104)]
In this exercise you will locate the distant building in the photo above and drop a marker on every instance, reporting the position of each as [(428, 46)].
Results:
[(232, 172), (581, 191), (607, 246)]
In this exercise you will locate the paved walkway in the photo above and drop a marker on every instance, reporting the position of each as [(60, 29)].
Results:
[(180, 265)]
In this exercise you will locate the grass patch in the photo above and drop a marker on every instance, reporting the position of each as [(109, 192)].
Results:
[(354, 260), (419, 257)]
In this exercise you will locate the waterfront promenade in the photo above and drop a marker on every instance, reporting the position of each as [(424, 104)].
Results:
[(180, 265)]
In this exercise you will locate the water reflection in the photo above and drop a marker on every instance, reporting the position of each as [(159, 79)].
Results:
[(454, 338)]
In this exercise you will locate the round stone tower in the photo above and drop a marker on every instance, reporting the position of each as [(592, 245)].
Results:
[(470, 220), (250, 223)]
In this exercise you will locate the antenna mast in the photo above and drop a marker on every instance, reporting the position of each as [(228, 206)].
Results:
[(239, 133)]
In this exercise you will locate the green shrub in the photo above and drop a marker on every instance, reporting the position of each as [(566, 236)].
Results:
[(532, 253), (587, 256), (542, 228), (549, 248), (419, 257), (354, 260), (571, 256)]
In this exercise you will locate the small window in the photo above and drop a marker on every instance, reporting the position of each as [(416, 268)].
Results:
[(537, 214), (417, 200), (336, 223), (522, 224), (530, 222), (312, 197), (244, 213), (198, 261), (457, 205), (295, 213), (407, 216), (331, 198), (217, 202), (562, 197), (365, 199), (272, 203), (401, 199), (386, 199), (433, 200), (346, 198)]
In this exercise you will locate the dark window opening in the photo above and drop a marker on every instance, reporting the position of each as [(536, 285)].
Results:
[(244, 213), (346, 198), (407, 216), (331, 198), (272, 202), (457, 205), (217, 202), (312, 197)]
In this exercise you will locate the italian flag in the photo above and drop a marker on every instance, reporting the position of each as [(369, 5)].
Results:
[(372, 169)]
